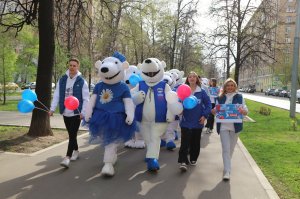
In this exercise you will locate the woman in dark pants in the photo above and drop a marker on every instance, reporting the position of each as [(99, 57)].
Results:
[(192, 123)]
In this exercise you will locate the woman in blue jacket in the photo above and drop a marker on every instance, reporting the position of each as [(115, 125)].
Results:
[(192, 123)]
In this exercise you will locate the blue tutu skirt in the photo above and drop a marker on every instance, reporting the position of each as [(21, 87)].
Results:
[(106, 127)]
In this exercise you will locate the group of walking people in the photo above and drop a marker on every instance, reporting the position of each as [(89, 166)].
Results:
[(192, 120)]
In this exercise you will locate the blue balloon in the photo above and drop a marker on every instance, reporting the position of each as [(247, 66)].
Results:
[(25, 106), (29, 95), (189, 102), (134, 80)]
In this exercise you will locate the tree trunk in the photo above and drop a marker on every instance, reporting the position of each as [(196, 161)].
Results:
[(40, 123)]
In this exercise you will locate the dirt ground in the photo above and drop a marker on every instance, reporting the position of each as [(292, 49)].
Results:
[(15, 139)]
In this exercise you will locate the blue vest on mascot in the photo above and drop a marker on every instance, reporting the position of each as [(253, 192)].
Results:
[(237, 99), (159, 98), (77, 92)]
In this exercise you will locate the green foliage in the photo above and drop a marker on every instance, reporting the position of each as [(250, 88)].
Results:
[(7, 58), (275, 148), (294, 124), (265, 110), (28, 54)]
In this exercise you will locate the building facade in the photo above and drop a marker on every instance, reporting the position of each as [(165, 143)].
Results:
[(274, 71)]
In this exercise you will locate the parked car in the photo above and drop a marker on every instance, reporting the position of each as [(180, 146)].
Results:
[(25, 86), (288, 94), (277, 91), (298, 95), (283, 93), (270, 91), (32, 85)]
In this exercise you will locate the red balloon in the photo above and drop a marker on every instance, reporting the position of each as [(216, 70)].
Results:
[(183, 91), (71, 103)]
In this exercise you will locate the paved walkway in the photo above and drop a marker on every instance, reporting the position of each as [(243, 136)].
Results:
[(39, 175)]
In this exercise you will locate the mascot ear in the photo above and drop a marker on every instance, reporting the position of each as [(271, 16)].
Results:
[(139, 66), (163, 64), (181, 73), (125, 65), (98, 64)]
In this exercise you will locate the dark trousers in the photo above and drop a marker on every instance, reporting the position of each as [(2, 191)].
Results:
[(211, 119), (72, 125), (190, 145)]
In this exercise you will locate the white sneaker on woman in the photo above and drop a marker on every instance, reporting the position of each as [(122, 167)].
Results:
[(65, 163), (226, 176), (75, 155)]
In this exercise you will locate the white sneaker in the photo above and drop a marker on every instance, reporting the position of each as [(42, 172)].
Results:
[(65, 163), (74, 155), (183, 167), (226, 176), (108, 169)]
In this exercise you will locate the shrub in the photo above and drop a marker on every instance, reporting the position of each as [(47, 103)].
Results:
[(265, 111)]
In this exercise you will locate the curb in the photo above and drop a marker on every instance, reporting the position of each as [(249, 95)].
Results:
[(43, 150), (261, 177)]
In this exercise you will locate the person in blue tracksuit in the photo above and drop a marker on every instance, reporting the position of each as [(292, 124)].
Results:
[(192, 123), (229, 132)]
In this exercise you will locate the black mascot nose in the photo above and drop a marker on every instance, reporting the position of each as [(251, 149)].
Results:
[(104, 70), (148, 61), (127, 81)]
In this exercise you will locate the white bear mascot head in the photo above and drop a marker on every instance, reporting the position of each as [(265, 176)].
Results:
[(179, 74), (111, 69), (152, 70)]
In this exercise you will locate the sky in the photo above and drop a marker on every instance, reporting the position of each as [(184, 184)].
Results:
[(204, 21)]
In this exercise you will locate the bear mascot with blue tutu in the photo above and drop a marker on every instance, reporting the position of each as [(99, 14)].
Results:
[(110, 113), (153, 111), (131, 79)]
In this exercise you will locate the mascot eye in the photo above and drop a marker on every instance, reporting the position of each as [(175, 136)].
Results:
[(102, 62), (133, 71), (116, 62)]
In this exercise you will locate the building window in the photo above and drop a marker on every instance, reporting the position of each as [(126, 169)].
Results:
[(288, 19), (287, 50), (288, 30), (286, 60), (290, 9), (287, 40)]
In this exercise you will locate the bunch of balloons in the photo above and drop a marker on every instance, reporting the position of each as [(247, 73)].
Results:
[(134, 79), (184, 94), (26, 105)]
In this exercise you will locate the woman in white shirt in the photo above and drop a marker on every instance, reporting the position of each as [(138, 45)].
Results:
[(229, 132)]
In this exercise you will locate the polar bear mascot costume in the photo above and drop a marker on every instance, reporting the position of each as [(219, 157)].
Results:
[(179, 80), (110, 112), (179, 75), (137, 141), (168, 139), (152, 109)]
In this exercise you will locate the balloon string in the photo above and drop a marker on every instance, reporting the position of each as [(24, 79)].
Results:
[(43, 105), (42, 109)]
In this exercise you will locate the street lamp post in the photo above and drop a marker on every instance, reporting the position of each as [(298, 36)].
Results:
[(295, 64)]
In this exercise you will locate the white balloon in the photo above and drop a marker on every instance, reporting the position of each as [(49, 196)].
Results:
[(171, 97), (176, 108)]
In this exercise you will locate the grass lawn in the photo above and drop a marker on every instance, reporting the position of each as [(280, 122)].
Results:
[(275, 148), (10, 105)]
